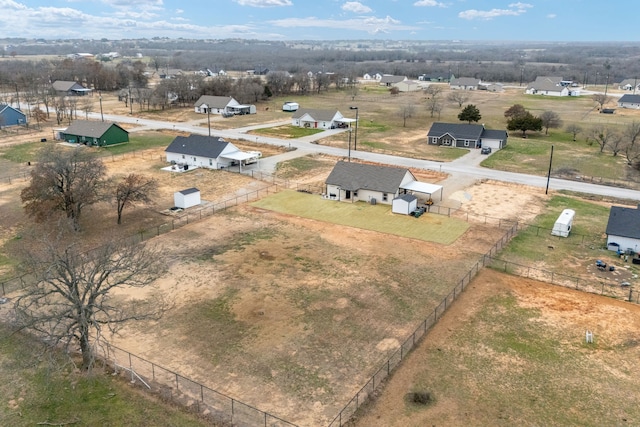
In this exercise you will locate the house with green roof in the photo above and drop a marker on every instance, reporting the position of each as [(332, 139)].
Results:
[(95, 133)]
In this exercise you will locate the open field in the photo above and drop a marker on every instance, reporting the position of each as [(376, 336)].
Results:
[(512, 351)]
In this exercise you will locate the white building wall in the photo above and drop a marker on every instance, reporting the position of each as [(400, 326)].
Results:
[(624, 242)]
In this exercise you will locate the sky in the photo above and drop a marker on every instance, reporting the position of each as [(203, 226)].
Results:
[(482, 20)]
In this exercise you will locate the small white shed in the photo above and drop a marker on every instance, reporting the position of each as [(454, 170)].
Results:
[(563, 224), (404, 204), (186, 198), (290, 106)]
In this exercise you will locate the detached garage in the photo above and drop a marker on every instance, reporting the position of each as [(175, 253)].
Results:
[(186, 198), (404, 204)]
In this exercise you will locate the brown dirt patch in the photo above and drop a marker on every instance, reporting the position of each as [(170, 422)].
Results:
[(564, 311)]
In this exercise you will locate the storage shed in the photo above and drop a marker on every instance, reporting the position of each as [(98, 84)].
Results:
[(563, 224), (404, 204), (186, 198)]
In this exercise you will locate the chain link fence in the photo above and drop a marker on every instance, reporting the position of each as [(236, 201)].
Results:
[(171, 386)]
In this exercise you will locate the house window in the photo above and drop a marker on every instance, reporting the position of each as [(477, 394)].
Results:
[(183, 156), (355, 193), (384, 197), (466, 142), (210, 162)]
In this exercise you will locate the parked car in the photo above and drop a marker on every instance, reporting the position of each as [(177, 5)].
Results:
[(485, 150)]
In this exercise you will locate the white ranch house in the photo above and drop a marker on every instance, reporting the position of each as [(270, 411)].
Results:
[(353, 182), (223, 105), (199, 151), (318, 119)]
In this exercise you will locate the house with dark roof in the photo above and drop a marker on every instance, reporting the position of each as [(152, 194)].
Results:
[(318, 119), (10, 116), (205, 152), (463, 135), (629, 101), (67, 88), (464, 83), (94, 133), (352, 182), (623, 229), (390, 80)]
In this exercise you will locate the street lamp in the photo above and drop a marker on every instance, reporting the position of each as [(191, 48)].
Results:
[(350, 145), (209, 119), (355, 138), (546, 191)]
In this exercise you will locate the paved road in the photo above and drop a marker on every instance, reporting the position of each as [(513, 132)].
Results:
[(463, 171)]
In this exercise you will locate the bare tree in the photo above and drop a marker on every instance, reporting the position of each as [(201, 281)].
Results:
[(459, 97), (574, 130), (406, 111), (134, 189), (603, 135), (600, 99), (433, 93), (631, 147), (68, 295), (550, 119), (63, 180), (86, 105)]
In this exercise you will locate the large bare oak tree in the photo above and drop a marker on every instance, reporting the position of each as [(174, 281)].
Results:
[(70, 295)]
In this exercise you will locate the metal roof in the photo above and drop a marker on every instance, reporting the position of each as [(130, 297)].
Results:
[(89, 128)]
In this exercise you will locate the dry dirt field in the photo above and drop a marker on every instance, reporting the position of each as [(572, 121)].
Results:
[(480, 371)]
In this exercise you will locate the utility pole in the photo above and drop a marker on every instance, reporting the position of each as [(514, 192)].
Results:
[(355, 139), (546, 191), (101, 114)]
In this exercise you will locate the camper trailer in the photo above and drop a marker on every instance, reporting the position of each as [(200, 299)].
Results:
[(254, 159), (563, 224)]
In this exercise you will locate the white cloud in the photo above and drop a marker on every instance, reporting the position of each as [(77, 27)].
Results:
[(520, 6), (264, 3), (356, 7), (472, 14), (429, 3), (551, 15), (369, 24)]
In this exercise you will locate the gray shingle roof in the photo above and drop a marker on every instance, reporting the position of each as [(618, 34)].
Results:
[(465, 81), (456, 130), (89, 128), (319, 115), (198, 145), (392, 79), (189, 191), (214, 101), (65, 86), (633, 99), (360, 176), (495, 134), (624, 222)]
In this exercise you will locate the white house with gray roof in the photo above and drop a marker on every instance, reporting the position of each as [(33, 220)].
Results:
[(204, 152), (317, 119), (223, 105), (629, 101), (623, 229), (353, 182), (550, 86), (464, 135), (464, 83)]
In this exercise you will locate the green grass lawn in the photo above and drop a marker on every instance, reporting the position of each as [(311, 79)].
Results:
[(429, 227), (36, 392), (28, 152), (287, 131)]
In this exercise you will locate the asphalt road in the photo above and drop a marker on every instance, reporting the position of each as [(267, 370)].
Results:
[(464, 168)]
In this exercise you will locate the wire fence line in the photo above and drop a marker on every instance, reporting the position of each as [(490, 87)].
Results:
[(593, 286), (385, 370), (170, 385)]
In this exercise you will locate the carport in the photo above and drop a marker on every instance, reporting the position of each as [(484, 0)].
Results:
[(423, 187), (238, 156)]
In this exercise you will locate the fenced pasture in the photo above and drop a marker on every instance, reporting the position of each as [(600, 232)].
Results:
[(292, 316)]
